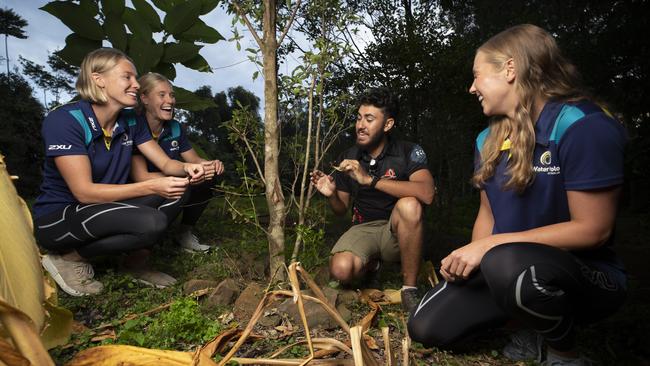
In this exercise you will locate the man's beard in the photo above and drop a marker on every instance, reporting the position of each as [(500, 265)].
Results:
[(373, 142)]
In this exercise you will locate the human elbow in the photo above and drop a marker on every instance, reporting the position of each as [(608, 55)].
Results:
[(428, 196)]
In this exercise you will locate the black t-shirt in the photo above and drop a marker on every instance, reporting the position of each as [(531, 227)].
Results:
[(398, 161)]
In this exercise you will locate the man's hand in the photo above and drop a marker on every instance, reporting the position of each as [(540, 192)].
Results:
[(324, 183), (355, 171)]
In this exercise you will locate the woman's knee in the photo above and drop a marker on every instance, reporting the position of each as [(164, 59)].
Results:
[(427, 333), (152, 228)]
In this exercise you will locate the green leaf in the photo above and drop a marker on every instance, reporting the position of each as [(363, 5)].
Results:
[(137, 27), (89, 6), (166, 69), (148, 13), (76, 18), (197, 63), (114, 29), (157, 50), (255, 75), (164, 5), (76, 48), (114, 7), (179, 52), (181, 17), (200, 32), (208, 5), (141, 51), (187, 100)]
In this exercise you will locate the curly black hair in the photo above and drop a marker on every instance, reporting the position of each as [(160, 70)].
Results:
[(381, 98)]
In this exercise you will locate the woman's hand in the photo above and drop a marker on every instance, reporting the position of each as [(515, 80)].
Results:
[(195, 172), (212, 168), (460, 263), (169, 187)]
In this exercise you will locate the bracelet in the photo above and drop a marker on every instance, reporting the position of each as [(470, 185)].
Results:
[(374, 181)]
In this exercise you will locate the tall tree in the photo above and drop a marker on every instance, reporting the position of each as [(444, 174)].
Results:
[(266, 18), (11, 24)]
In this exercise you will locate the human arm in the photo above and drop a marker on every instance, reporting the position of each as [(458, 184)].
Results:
[(152, 151), (139, 170), (339, 200), (420, 184), (484, 222), (592, 217), (77, 173)]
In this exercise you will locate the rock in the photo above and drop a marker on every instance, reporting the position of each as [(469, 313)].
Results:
[(321, 275), (247, 302), (196, 284), (317, 317), (346, 314), (224, 294), (270, 317), (348, 297)]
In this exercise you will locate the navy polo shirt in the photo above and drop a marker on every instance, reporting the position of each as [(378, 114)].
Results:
[(73, 129), (172, 140), (577, 147), (397, 161)]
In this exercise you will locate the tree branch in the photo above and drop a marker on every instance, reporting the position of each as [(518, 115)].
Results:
[(289, 22), (250, 27)]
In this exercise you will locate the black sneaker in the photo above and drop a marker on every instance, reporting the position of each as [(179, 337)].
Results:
[(409, 299)]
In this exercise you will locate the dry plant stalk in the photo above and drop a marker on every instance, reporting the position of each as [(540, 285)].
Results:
[(355, 338), (387, 350), (406, 345)]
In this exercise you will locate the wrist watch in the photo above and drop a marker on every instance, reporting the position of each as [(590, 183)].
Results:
[(374, 181)]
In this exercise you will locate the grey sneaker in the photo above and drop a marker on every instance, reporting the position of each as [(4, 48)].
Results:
[(555, 360), (409, 299), (150, 277), (525, 344), (190, 243), (75, 278)]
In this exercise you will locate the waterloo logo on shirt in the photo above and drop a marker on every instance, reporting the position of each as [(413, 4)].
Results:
[(126, 141), (545, 161), (174, 146)]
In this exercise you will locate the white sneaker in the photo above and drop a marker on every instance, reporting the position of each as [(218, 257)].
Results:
[(74, 277), (150, 277), (190, 243), (524, 344)]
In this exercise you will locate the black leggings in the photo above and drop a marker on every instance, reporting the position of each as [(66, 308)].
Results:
[(547, 289), (107, 228), (199, 197)]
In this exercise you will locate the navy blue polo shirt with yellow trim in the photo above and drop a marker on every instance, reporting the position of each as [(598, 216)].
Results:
[(578, 147), (73, 129), (397, 161), (172, 140)]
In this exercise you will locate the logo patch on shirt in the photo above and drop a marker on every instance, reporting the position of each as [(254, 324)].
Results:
[(390, 174), (174, 145), (546, 159), (126, 141), (59, 147), (418, 155), (92, 123)]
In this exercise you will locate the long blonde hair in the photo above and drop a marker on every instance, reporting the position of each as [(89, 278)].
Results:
[(541, 71), (147, 82), (100, 61)]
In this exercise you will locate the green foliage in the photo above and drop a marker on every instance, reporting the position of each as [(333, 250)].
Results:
[(182, 326), (21, 117), (135, 30)]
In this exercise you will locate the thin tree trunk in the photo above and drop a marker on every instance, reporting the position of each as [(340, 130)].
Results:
[(7, 53), (302, 206), (274, 195)]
